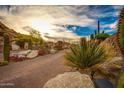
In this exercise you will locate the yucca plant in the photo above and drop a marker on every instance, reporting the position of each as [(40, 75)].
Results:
[(85, 55)]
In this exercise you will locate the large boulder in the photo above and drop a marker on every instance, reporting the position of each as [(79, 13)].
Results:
[(112, 68), (70, 80)]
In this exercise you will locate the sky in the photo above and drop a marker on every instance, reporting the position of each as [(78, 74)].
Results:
[(65, 22)]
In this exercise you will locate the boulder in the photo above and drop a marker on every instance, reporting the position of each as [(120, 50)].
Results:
[(24, 52), (53, 51), (112, 68), (70, 80), (15, 47), (32, 54)]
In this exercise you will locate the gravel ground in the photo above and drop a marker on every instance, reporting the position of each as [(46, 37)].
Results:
[(32, 73)]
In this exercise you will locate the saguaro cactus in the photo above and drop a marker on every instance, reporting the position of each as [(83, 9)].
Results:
[(6, 49), (121, 31), (121, 44), (98, 27)]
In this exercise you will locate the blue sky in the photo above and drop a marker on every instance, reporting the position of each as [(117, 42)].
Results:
[(106, 14), (61, 21)]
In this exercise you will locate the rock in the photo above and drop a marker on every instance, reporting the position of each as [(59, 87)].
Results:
[(70, 80), (32, 54), (52, 51), (24, 52), (113, 67), (21, 56), (15, 47), (19, 53)]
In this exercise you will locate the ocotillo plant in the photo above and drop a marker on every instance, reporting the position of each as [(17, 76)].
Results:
[(6, 49)]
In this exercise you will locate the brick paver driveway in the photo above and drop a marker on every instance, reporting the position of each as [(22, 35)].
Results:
[(34, 72)]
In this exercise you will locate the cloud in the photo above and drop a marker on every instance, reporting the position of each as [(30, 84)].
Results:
[(46, 18), (111, 25), (18, 17)]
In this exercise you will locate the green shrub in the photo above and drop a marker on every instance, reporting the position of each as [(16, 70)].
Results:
[(6, 50), (101, 36), (3, 63), (120, 82), (86, 54)]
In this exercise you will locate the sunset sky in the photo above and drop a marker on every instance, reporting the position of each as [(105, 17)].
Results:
[(60, 21)]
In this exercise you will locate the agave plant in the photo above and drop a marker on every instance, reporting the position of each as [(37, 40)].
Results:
[(86, 54)]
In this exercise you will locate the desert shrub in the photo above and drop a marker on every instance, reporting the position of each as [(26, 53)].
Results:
[(102, 36), (85, 55), (120, 82), (42, 52), (59, 45), (16, 59), (3, 63)]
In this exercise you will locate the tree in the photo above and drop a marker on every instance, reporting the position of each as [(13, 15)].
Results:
[(59, 45), (33, 38), (35, 33), (36, 37)]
